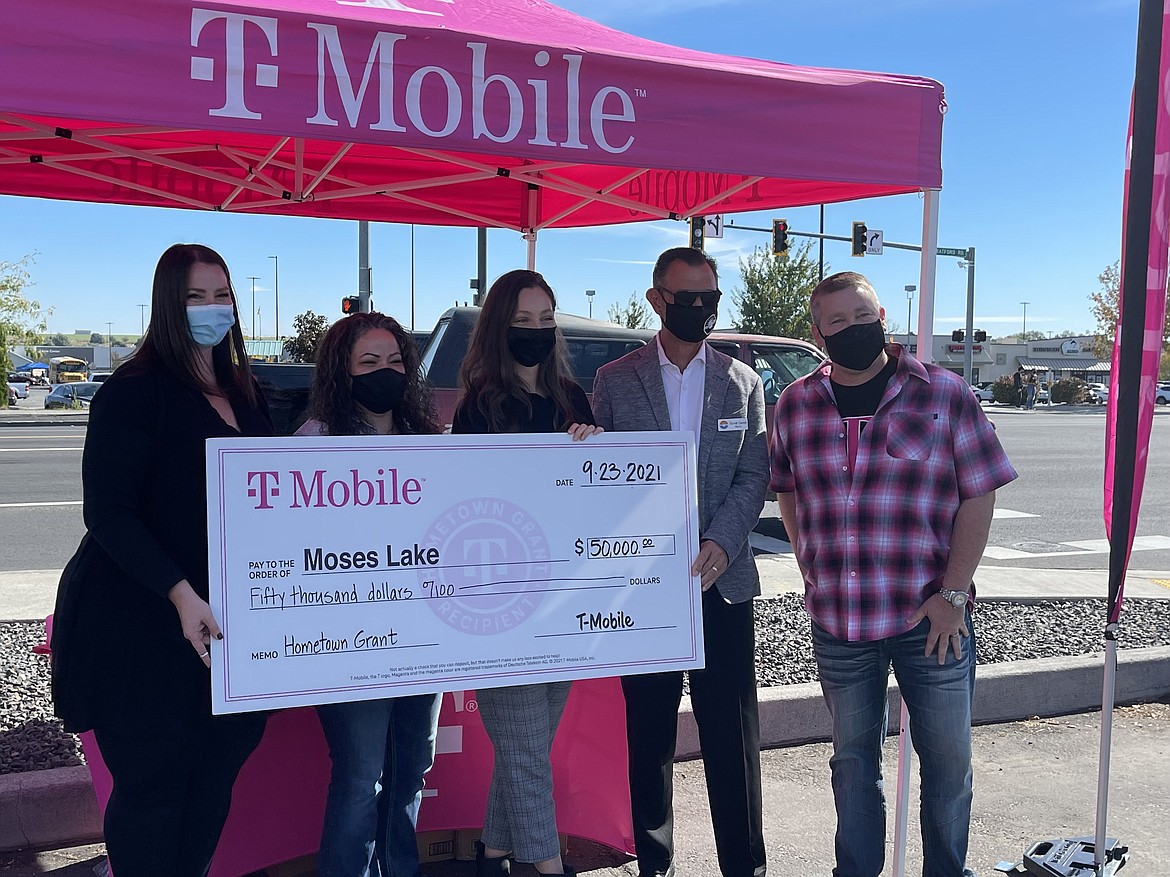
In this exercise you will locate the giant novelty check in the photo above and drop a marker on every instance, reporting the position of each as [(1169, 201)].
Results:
[(355, 568)]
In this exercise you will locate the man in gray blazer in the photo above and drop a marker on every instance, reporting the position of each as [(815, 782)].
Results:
[(678, 382)]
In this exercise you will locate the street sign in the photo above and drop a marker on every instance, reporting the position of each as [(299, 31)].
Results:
[(952, 251), (874, 240), (713, 226)]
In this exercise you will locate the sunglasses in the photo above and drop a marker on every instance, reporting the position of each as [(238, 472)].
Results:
[(687, 297)]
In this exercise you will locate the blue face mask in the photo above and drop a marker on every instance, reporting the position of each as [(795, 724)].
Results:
[(210, 323)]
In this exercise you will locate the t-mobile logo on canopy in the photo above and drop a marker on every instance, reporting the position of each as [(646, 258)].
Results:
[(203, 68), (377, 83)]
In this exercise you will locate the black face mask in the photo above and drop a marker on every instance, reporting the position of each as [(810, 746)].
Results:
[(690, 323), (856, 347), (379, 391), (531, 347)]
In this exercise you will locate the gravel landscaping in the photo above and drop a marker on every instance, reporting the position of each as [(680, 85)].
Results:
[(31, 737)]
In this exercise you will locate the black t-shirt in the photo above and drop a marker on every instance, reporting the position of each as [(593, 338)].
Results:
[(469, 420), (863, 400), (858, 404)]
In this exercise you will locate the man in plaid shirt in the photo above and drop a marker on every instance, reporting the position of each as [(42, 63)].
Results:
[(886, 469)]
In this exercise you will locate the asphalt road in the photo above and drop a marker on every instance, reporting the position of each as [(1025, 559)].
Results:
[(1050, 518)]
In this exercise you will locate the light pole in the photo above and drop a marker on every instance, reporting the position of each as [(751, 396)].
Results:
[(589, 293), (910, 287), (110, 344), (1024, 327), (253, 279), (142, 319), (276, 291)]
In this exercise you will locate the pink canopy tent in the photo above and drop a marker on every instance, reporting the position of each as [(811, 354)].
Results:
[(502, 113)]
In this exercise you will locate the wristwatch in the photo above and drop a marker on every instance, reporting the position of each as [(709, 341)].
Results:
[(958, 599)]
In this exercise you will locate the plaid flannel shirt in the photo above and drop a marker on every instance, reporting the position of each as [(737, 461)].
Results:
[(874, 533)]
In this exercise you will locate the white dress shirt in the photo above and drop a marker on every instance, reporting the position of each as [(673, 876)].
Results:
[(684, 390)]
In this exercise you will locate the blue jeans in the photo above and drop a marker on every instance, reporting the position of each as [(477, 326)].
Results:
[(380, 750), (853, 678)]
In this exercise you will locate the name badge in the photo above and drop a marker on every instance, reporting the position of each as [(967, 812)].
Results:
[(733, 424)]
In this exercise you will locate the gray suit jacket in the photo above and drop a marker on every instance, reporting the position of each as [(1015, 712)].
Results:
[(628, 396)]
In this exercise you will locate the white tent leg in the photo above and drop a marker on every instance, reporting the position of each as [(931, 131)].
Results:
[(531, 238), (902, 807), (1107, 696), (926, 274)]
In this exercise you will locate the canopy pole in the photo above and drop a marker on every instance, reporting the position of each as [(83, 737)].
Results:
[(926, 274), (902, 807), (531, 221)]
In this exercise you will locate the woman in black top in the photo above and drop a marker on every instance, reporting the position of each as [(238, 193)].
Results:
[(515, 378), (132, 628)]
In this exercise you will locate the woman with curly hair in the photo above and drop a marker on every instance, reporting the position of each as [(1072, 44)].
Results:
[(516, 378), (368, 382)]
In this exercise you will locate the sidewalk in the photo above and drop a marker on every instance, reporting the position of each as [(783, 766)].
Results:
[(32, 412), (52, 808), (1034, 781)]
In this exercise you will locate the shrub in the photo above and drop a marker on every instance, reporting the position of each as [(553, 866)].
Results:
[(1003, 391), (1068, 390)]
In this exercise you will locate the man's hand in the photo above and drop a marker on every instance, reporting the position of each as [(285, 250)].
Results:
[(947, 624), (710, 563), (199, 625)]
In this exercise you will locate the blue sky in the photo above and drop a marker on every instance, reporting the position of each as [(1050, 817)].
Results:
[(1033, 161)]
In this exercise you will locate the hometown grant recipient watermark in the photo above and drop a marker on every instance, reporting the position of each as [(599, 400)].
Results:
[(495, 562)]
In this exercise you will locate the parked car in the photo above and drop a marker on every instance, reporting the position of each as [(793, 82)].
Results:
[(99, 377), (1162, 394), (21, 390), (20, 378), (74, 395), (591, 344), (983, 391), (1042, 393), (1098, 394), (778, 361)]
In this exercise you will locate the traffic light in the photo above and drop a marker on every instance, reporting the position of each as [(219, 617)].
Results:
[(980, 336), (958, 335), (351, 304), (697, 223), (780, 237), (859, 233)]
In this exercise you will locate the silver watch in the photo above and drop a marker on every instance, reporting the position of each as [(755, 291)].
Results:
[(958, 599)]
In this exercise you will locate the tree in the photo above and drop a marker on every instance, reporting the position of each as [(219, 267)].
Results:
[(58, 340), (1107, 308), (634, 314), (97, 338), (21, 318), (308, 328), (775, 293)]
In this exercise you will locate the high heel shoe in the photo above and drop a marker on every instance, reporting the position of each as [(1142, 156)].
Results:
[(490, 866)]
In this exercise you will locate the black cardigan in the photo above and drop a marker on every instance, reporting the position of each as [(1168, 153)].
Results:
[(118, 649)]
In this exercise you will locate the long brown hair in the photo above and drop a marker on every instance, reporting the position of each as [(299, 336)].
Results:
[(168, 343), (488, 376), (331, 397)]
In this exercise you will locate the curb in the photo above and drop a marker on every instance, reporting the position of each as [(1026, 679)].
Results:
[(20, 424), (56, 808)]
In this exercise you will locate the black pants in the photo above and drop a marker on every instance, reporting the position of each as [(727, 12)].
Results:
[(723, 696), (173, 776)]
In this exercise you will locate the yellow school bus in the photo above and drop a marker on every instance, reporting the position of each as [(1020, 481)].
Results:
[(67, 369)]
